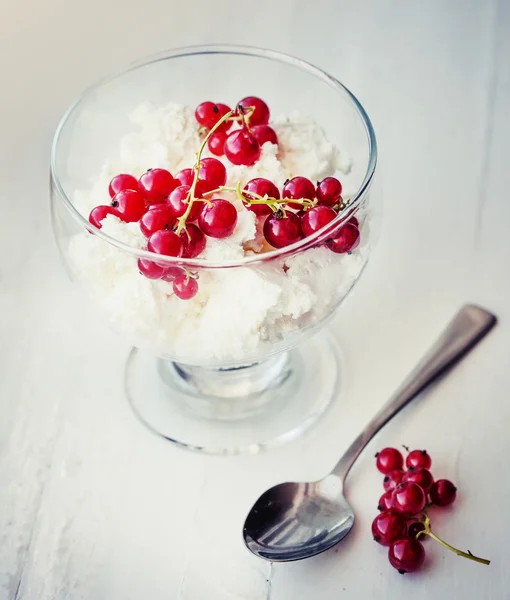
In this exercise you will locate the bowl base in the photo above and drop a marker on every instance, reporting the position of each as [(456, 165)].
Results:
[(186, 409)]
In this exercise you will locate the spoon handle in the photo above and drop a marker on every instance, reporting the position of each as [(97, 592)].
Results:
[(467, 328)]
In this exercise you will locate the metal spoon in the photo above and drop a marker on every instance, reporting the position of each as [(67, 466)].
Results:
[(291, 520)]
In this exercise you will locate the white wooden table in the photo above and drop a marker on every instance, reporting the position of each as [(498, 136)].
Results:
[(92, 506)]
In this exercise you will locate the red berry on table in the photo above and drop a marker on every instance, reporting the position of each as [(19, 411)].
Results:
[(385, 501), (264, 134), (261, 187), (281, 231), (212, 174), (316, 218), (423, 477), (414, 529), (101, 212), (150, 269), (241, 147), (408, 499), (155, 219), (185, 177), (388, 526), (122, 182), (177, 203), (165, 242), (406, 554), (329, 190), (156, 185), (216, 143), (260, 114), (298, 188), (218, 220), (392, 479), (345, 240), (193, 241), (442, 492), (185, 287), (418, 458), (389, 459), (130, 205)]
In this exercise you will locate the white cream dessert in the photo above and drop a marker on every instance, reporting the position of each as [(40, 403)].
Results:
[(237, 313)]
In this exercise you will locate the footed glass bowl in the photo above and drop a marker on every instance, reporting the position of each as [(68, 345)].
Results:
[(240, 366)]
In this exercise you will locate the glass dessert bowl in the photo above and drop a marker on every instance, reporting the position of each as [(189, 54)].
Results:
[(218, 241)]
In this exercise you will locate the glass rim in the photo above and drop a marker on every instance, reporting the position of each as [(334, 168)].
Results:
[(241, 50)]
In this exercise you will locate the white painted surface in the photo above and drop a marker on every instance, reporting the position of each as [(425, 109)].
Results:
[(91, 505)]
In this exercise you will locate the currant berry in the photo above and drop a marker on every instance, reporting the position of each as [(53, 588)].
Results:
[(156, 185), (216, 143), (406, 554), (354, 221), (385, 501), (408, 499), (166, 243), (329, 190), (414, 529), (260, 114), (281, 231), (392, 479), (264, 134), (185, 287), (193, 241), (346, 240), (423, 477), (241, 148), (206, 113), (185, 177), (212, 174), (442, 492), (172, 273), (387, 527), (177, 203), (101, 212), (130, 205), (150, 269), (155, 219), (389, 459), (418, 458), (223, 109), (261, 187), (218, 220), (122, 182), (316, 218), (297, 188)]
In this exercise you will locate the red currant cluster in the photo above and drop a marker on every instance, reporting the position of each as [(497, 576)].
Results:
[(177, 213), (243, 145), (404, 508)]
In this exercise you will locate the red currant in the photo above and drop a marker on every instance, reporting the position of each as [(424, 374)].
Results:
[(156, 185), (264, 134), (216, 143), (223, 109), (408, 499), (414, 529), (418, 458), (165, 242), (385, 501), (185, 287), (389, 459), (423, 477), (218, 220), (101, 212), (177, 203), (122, 182), (316, 218), (392, 479), (388, 526), (207, 113), (261, 187), (260, 114), (346, 240), (193, 241), (150, 269), (354, 221), (172, 273), (130, 205), (155, 219), (281, 231), (406, 554), (185, 177), (212, 174), (442, 492), (298, 188), (329, 190), (241, 147)]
